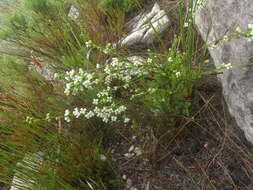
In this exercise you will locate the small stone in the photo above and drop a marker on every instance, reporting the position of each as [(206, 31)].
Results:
[(138, 151), (129, 155), (133, 188), (129, 183), (124, 177), (131, 148), (103, 157)]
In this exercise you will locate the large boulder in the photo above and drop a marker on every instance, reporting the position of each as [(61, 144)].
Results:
[(215, 19)]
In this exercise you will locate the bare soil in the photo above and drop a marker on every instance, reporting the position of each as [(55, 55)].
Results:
[(206, 155)]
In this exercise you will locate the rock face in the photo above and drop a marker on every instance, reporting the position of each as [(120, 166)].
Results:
[(145, 27), (213, 20)]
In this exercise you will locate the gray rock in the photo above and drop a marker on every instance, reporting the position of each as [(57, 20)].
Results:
[(145, 27), (213, 20), (31, 163), (47, 72)]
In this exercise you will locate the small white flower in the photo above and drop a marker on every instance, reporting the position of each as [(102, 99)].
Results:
[(170, 59), (108, 48), (71, 73), (73, 13), (76, 113), (67, 115), (56, 75), (83, 110), (95, 101), (250, 26), (213, 46), (29, 120), (226, 66), (126, 120), (106, 120), (186, 24), (67, 78), (89, 115), (89, 44), (178, 74), (67, 88), (149, 60), (238, 29), (225, 38), (81, 72), (114, 118)]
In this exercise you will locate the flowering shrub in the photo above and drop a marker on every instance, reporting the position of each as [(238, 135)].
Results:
[(104, 105), (161, 82)]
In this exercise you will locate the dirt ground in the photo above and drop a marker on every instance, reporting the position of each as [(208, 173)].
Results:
[(206, 155)]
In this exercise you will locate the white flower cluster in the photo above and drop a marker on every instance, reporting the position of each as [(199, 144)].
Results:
[(78, 81), (73, 13), (124, 70), (67, 115), (104, 105), (250, 32), (82, 111), (89, 44), (108, 113), (77, 113), (225, 66), (225, 38), (108, 49), (29, 120)]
